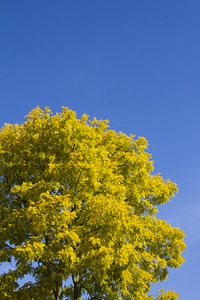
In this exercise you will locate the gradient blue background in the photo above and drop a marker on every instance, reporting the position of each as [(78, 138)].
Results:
[(136, 63)]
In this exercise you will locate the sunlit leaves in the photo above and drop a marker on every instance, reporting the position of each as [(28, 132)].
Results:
[(79, 202), (170, 295)]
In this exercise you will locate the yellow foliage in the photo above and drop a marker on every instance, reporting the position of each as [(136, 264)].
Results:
[(79, 201)]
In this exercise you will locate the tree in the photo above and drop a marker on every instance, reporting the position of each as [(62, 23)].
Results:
[(78, 211)]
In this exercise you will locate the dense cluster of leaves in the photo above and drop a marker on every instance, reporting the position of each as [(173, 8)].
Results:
[(78, 212)]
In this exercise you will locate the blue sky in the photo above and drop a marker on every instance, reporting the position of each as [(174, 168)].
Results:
[(136, 63)]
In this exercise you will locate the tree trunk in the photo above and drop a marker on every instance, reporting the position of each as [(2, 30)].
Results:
[(58, 292), (77, 287)]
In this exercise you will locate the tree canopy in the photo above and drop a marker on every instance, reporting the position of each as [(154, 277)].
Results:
[(78, 214)]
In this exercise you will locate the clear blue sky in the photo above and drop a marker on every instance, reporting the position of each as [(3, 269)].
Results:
[(136, 63)]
